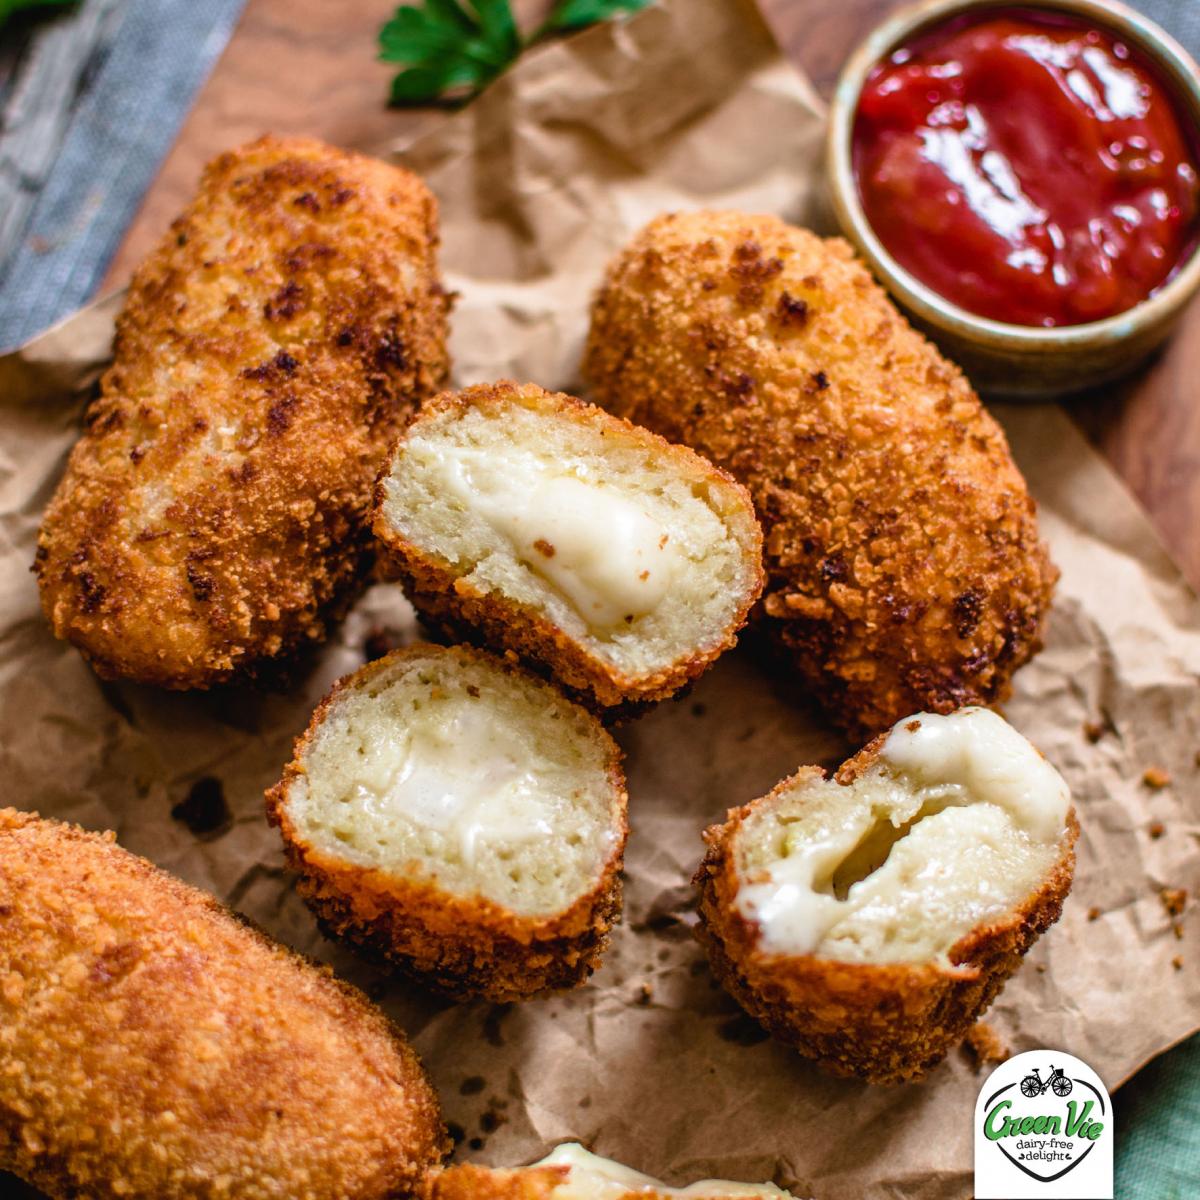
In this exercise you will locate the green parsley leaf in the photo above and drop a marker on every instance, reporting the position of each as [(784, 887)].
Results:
[(454, 48), (498, 24), (8, 7), (575, 14), (447, 46)]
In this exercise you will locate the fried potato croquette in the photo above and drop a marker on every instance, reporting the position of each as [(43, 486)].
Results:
[(570, 1172), (154, 1046), (213, 516), (871, 918), (904, 570), (594, 549), (460, 819)]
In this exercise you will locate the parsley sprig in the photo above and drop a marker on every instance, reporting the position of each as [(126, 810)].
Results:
[(454, 48)]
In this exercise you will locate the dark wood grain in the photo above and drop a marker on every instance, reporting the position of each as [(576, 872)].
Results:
[(1149, 429), (307, 66)]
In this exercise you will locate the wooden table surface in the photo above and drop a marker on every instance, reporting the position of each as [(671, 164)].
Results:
[(308, 66)]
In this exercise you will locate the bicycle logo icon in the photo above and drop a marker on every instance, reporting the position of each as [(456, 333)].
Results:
[(1057, 1082)]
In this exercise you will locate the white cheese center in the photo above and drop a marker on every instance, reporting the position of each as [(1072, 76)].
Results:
[(978, 751), (601, 550), (594, 1178), (957, 820), (455, 767)]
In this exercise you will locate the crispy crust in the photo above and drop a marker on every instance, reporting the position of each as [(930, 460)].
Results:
[(461, 946), (885, 1023), (450, 602), (156, 1046), (904, 567), (213, 515), (466, 1181)]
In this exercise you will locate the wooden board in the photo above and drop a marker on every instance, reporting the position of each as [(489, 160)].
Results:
[(308, 66)]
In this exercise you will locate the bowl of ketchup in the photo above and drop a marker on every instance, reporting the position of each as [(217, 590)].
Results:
[(1024, 178)]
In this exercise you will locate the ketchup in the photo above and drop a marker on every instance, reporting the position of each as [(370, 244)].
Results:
[(1028, 167)]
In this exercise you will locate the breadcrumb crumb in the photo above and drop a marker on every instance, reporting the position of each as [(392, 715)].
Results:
[(1156, 778), (985, 1045)]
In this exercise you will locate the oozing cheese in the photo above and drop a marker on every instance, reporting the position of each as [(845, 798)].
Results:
[(455, 768), (602, 550), (980, 753), (955, 822), (594, 1178)]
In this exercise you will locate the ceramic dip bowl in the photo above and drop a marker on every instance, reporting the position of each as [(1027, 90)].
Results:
[(1002, 358)]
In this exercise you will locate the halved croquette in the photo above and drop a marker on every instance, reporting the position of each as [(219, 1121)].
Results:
[(460, 818), (870, 918), (622, 564)]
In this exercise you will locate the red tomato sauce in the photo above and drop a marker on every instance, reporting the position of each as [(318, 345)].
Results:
[(1028, 167)]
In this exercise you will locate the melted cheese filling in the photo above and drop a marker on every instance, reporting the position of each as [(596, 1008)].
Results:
[(594, 1178), (609, 557), (957, 820), (457, 768)]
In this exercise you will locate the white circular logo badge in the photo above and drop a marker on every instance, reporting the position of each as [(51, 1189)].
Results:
[(1043, 1128)]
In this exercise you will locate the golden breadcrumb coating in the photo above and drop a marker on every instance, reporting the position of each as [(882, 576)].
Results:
[(466, 1181), (883, 1022), (904, 567), (155, 1045), (214, 513), (461, 946), (449, 602), (584, 1175)]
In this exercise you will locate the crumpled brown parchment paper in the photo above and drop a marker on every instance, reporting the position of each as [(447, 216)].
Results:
[(689, 104)]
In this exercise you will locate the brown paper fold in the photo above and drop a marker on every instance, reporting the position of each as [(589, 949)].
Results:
[(689, 104)]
